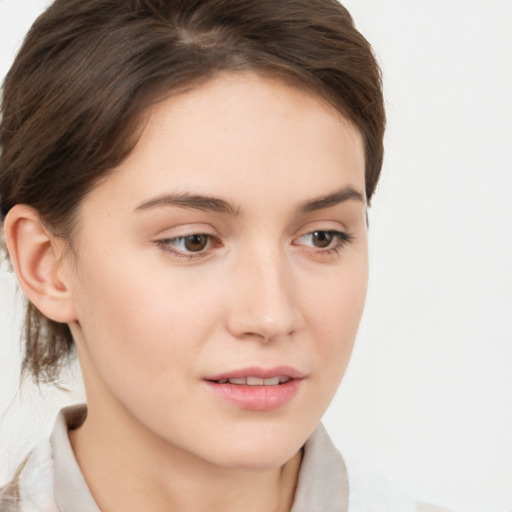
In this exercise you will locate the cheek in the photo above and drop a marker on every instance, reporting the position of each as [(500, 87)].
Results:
[(335, 313), (135, 323)]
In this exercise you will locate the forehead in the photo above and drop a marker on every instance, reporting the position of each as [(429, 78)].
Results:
[(239, 136)]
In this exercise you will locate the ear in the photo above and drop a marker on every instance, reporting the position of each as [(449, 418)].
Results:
[(38, 259)]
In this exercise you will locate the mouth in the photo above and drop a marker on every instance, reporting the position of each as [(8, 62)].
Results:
[(255, 381), (257, 389), (258, 376)]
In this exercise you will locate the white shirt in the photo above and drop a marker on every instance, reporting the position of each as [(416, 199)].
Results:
[(51, 480)]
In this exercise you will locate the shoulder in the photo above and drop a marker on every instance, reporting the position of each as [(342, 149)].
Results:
[(10, 493), (331, 481), (9, 497), (31, 488), (50, 474)]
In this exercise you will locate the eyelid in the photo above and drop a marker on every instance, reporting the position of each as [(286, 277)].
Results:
[(341, 240), (179, 229), (335, 232), (169, 239), (166, 245)]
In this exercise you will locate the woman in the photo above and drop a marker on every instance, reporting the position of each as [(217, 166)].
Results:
[(184, 189)]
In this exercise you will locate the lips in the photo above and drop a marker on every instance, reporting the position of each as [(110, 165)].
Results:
[(255, 381), (260, 373), (257, 389)]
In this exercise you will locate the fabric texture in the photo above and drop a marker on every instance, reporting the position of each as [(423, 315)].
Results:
[(50, 479)]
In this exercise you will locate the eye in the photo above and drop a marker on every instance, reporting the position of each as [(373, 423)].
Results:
[(324, 240), (188, 246), (194, 243), (321, 239)]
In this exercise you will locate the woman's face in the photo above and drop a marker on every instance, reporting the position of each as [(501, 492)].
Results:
[(231, 244)]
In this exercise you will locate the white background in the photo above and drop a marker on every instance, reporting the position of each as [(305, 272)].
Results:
[(428, 394)]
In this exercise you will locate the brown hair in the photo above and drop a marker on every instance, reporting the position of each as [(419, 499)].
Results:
[(88, 70)]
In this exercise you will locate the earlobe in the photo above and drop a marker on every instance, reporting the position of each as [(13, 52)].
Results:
[(37, 259)]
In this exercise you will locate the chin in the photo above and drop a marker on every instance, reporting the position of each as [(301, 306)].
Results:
[(260, 447), (271, 457)]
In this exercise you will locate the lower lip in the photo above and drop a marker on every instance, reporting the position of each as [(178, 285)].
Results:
[(257, 398)]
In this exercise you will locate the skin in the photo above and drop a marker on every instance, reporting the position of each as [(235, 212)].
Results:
[(152, 319)]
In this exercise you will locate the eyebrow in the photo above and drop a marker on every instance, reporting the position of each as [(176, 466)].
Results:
[(192, 201), (340, 196), (217, 205)]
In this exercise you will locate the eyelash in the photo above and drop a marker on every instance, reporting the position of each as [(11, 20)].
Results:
[(166, 244), (341, 240)]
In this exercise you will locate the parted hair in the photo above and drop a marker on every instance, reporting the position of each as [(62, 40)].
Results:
[(74, 99)]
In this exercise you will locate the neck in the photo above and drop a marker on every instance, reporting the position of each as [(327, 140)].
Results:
[(130, 469)]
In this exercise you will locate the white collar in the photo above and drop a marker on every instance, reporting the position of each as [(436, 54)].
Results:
[(322, 483)]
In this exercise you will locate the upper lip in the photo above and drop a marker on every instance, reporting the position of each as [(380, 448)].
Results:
[(257, 371)]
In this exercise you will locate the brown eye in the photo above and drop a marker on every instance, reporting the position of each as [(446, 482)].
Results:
[(192, 246), (195, 243), (322, 239)]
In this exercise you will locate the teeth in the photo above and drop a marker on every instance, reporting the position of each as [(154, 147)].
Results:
[(255, 381), (238, 380)]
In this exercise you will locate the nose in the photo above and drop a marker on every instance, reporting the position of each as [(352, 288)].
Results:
[(264, 303)]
